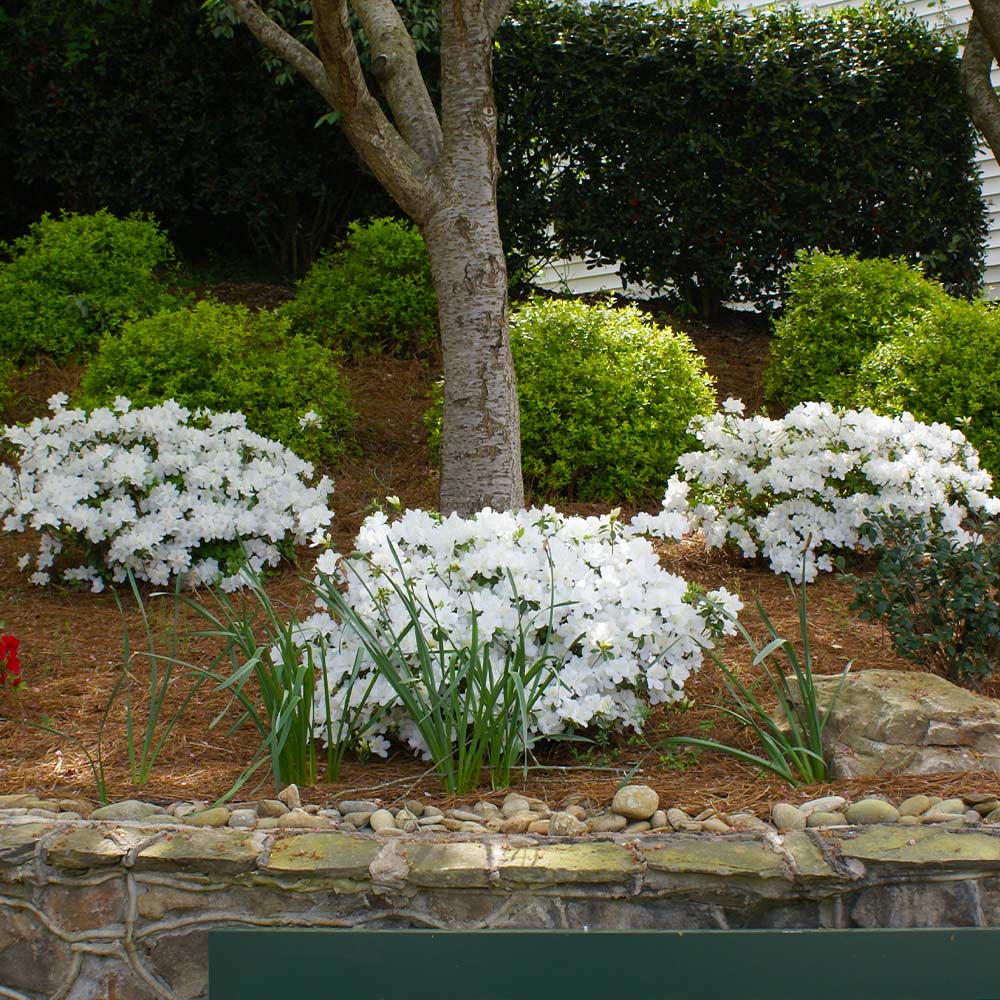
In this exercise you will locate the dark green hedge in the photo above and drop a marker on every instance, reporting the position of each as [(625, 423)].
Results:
[(132, 105), (699, 147), (703, 148)]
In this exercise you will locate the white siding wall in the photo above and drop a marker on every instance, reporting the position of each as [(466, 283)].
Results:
[(953, 15)]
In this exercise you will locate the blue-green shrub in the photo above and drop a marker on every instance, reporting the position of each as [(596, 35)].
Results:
[(838, 309), (225, 358), (371, 295), (69, 280)]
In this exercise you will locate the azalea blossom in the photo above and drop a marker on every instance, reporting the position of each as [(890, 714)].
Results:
[(160, 491), (624, 634), (801, 488)]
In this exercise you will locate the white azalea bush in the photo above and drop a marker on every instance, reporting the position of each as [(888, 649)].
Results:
[(802, 487), (621, 632), (160, 491)]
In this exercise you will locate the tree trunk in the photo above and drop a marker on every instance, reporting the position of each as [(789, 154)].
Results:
[(480, 433), (977, 63), (443, 174)]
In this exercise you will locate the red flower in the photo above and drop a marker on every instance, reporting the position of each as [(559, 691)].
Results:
[(10, 664)]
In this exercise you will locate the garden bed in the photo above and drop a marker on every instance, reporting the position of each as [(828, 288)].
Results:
[(71, 645)]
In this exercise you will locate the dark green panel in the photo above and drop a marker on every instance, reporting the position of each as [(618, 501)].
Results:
[(920, 964)]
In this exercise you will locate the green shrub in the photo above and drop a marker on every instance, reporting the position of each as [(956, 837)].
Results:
[(7, 373), (69, 280), (372, 294), (939, 598), (226, 358), (838, 308), (945, 368), (606, 397)]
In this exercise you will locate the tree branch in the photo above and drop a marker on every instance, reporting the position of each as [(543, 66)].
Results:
[(977, 63), (394, 62), (495, 11), (284, 46), (987, 14)]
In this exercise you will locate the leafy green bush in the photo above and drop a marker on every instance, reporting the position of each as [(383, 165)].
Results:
[(939, 597), (69, 280), (945, 368), (702, 147), (838, 308), (372, 294), (7, 372), (226, 358), (606, 397)]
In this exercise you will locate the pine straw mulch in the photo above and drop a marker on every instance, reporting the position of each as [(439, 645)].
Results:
[(72, 644)]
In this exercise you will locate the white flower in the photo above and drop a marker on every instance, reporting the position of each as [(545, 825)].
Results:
[(146, 489), (732, 405), (310, 419), (621, 632), (57, 401), (798, 490)]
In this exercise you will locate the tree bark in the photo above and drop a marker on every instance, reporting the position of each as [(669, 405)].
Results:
[(443, 175), (977, 64)]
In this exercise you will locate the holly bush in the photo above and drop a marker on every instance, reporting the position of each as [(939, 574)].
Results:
[(703, 148)]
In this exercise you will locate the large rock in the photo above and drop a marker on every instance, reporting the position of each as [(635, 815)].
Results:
[(911, 723)]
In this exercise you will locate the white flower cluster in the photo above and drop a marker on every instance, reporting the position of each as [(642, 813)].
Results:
[(156, 490), (622, 636), (803, 486)]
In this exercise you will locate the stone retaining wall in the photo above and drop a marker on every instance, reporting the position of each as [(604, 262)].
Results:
[(94, 910)]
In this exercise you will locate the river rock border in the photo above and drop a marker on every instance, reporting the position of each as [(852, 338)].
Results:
[(121, 908)]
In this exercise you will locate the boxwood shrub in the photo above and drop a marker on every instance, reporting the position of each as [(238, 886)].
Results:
[(606, 396), (370, 295), (944, 366), (226, 358), (69, 280), (838, 309)]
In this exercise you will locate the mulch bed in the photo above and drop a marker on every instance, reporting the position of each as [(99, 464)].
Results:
[(71, 641)]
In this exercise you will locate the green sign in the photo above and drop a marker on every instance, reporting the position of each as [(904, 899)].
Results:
[(920, 964)]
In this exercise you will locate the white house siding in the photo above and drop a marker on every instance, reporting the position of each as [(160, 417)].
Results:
[(952, 15)]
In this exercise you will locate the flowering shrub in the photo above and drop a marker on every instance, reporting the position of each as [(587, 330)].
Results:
[(159, 490), (10, 663), (622, 632), (807, 483)]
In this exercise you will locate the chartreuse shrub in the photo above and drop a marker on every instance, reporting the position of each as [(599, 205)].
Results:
[(225, 358), (7, 372), (944, 368), (937, 591), (69, 280), (606, 397), (371, 295), (838, 309)]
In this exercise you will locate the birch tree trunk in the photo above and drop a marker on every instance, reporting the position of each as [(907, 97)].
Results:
[(442, 172)]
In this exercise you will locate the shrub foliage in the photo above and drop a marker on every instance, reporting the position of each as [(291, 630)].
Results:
[(945, 367), (224, 358), (938, 595), (372, 294), (837, 309), (703, 148), (69, 280)]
